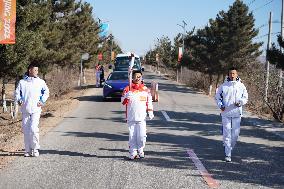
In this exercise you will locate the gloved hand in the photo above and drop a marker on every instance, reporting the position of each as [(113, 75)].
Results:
[(39, 104), (129, 94), (20, 102), (238, 104), (151, 115)]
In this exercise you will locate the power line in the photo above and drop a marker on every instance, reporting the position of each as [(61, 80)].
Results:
[(251, 2), (263, 25), (266, 35), (263, 6)]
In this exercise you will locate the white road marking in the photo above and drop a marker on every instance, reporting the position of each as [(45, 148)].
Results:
[(166, 116), (212, 183)]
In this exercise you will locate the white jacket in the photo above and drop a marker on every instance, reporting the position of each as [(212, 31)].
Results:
[(30, 91), (137, 102), (229, 93)]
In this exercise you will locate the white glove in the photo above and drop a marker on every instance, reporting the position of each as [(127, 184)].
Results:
[(151, 115), (129, 94)]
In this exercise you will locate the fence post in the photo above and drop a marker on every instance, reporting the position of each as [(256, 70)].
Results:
[(15, 110), (4, 104)]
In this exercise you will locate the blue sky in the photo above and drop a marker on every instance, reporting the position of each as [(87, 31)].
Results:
[(136, 24)]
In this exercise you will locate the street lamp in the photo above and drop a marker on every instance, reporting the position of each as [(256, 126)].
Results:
[(111, 56), (183, 35), (158, 56), (183, 27)]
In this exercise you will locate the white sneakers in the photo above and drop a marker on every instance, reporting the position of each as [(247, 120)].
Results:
[(27, 154), (132, 157), (137, 156), (33, 153), (228, 159), (141, 154)]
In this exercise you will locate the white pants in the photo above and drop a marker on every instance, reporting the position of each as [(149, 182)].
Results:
[(137, 136), (231, 131), (30, 128), (98, 78)]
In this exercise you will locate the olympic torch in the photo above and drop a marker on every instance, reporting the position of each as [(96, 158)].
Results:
[(130, 69)]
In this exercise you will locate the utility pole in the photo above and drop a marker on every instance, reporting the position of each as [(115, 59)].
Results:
[(282, 33), (111, 38), (158, 56), (267, 62)]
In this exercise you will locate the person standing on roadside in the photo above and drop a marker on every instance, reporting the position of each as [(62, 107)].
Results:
[(138, 102), (102, 75), (98, 73), (230, 98), (31, 94)]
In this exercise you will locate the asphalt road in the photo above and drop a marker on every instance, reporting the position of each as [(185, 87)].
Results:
[(89, 148)]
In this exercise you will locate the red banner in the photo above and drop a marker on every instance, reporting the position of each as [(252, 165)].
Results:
[(7, 21), (179, 54)]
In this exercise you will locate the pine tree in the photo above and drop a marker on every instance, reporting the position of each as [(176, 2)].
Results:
[(164, 49), (276, 56), (236, 28)]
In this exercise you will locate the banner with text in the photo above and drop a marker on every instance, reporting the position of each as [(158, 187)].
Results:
[(7, 21)]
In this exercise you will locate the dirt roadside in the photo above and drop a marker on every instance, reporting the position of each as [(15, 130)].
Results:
[(11, 137)]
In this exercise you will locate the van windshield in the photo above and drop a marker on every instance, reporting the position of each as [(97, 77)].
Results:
[(122, 63)]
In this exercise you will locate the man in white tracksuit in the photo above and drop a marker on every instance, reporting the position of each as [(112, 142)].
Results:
[(138, 102), (230, 98), (31, 93)]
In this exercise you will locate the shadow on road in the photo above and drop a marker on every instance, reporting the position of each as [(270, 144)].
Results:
[(11, 153), (176, 88), (108, 136), (253, 162), (97, 99), (66, 153)]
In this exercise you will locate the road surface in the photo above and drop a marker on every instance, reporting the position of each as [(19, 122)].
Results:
[(89, 148)]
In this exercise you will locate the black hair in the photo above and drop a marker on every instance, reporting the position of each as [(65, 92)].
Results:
[(135, 72), (233, 68), (32, 65)]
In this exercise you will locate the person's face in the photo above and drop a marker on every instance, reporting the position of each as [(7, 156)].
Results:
[(233, 74), (137, 77), (33, 72)]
